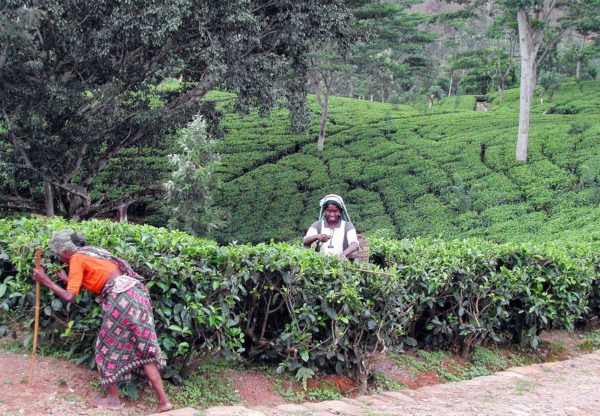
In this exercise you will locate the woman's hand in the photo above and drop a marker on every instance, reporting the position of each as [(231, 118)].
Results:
[(40, 276), (323, 238), (62, 276)]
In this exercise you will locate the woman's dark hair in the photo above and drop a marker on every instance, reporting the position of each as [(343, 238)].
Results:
[(333, 203)]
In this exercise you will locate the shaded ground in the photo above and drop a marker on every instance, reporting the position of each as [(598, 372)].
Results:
[(60, 387)]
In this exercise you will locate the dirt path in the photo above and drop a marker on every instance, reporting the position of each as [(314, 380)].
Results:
[(567, 388), (59, 388), (570, 388)]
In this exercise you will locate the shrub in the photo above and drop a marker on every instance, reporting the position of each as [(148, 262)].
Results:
[(276, 303)]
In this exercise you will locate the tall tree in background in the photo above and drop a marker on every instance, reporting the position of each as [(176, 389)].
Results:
[(503, 33), (384, 60), (534, 19), (324, 64), (391, 60), (541, 23), (81, 83), (378, 52), (585, 20)]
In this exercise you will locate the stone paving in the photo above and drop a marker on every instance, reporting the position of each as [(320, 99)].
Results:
[(566, 388)]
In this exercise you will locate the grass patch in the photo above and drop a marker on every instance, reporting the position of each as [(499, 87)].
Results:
[(591, 341), (16, 346), (210, 385), (12, 345), (522, 387), (556, 351), (321, 394), (484, 361), (383, 383), (292, 391)]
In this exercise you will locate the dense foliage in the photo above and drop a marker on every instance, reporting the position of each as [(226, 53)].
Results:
[(445, 171), (282, 304), (82, 82)]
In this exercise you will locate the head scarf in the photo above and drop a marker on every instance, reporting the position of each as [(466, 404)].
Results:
[(339, 201)]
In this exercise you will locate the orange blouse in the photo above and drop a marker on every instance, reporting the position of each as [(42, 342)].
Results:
[(89, 272)]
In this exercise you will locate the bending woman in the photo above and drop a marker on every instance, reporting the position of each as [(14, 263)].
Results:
[(127, 339)]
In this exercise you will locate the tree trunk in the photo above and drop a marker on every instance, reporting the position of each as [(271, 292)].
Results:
[(529, 42), (579, 58), (323, 99), (525, 94), (323, 129), (49, 199), (450, 87), (122, 211)]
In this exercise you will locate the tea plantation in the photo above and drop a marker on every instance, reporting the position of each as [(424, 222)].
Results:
[(405, 171)]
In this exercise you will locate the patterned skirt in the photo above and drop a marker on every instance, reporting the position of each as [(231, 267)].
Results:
[(127, 339)]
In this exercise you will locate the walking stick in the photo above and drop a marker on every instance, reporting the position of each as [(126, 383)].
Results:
[(36, 325)]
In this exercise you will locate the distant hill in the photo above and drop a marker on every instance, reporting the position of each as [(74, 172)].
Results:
[(405, 171)]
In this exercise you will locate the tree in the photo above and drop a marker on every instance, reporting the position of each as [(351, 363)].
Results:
[(387, 58), (533, 19), (81, 84), (540, 25), (585, 20), (503, 31), (323, 66), (189, 191), (536, 19)]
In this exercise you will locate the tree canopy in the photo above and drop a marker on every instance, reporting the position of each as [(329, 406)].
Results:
[(83, 82)]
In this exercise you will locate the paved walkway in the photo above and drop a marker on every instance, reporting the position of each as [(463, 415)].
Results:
[(569, 388)]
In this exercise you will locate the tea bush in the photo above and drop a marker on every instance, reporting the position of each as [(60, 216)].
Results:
[(279, 303), (469, 291), (270, 302)]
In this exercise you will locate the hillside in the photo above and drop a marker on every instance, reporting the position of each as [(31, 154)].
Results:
[(405, 171)]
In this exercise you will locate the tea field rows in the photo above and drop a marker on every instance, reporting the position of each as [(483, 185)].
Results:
[(446, 171)]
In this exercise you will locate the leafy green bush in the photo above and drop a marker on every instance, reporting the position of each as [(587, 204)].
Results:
[(469, 291), (277, 303)]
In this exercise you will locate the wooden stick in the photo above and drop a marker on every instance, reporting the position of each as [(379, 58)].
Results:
[(373, 271), (36, 325)]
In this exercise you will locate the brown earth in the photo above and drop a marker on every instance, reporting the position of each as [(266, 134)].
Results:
[(61, 387)]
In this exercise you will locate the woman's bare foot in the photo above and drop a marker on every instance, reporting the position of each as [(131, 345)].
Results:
[(164, 407), (108, 402)]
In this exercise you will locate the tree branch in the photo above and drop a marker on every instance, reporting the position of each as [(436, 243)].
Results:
[(101, 162), (78, 163), (16, 204), (194, 95), (551, 43), (69, 190), (100, 208), (15, 143)]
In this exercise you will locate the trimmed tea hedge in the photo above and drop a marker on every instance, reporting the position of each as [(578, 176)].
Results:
[(282, 304), (277, 303)]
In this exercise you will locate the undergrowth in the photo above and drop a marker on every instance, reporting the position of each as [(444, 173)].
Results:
[(209, 386)]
